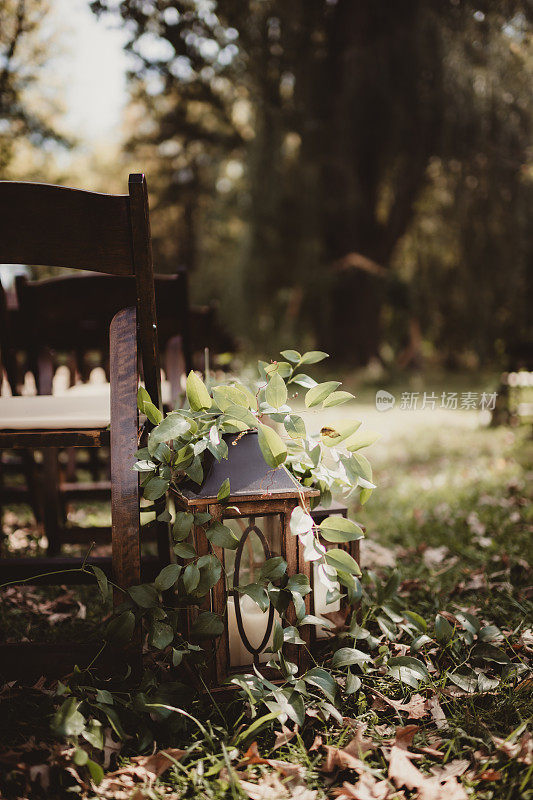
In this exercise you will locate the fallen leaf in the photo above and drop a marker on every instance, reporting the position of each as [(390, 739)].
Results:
[(366, 788), (433, 789), (416, 708), (490, 775), (269, 787), (438, 715), (289, 770), (359, 745), (337, 758), (284, 736), (521, 750)]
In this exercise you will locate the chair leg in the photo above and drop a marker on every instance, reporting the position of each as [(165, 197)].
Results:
[(51, 500), (125, 517)]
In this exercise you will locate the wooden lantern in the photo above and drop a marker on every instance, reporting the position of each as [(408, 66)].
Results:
[(258, 511)]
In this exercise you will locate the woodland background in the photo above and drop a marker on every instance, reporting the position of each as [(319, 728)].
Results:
[(352, 175)]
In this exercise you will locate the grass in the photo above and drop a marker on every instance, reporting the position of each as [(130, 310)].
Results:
[(452, 517)]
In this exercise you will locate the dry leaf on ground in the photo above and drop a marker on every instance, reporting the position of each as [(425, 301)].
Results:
[(284, 736), (366, 788), (402, 772)]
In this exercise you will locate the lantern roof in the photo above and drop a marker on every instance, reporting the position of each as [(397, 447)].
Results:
[(249, 475)]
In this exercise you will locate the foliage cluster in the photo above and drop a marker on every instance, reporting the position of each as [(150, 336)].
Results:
[(175, 452)]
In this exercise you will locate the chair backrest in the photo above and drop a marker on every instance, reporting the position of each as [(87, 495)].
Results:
[(72, 313), (57, 226)]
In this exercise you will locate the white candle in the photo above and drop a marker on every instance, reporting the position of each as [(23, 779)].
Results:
[(255, 624), (320, 591)]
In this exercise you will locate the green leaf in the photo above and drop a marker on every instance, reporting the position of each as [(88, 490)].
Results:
[(227, 396), (303, 380), (144, 595), (239, 414), (256, 726), (258, 594), (119, 630), (487, 652), (145, 466), (353, 683), (191, 577), (161, 635), (68, 721), (413, 663), (197, 394), (416, 620), (489, 633), (290, 634), (334, 435), (419, 642), (323, 680), (301, 522), (167, 577), (310, 619), (277, 637), (298, 583), (295, 426), (210, 571), (207, 625), (336, 398), (361, 439), (224, 491), (273, 569), (172, 427), (94, 734), (361, 466), (405, 675), (347, 656), (486, 684), (80, 757), (466, 681), (102, 581), (343, 561), (319, 393), (222, 536), (195, 470), (103, 696), (340, 529), (295, 708), (276, 391), (96, 772), (272, 446), (184, 550), (182, 525), (443, 630), (291, 355), (312, 357), (155, 488), (145, 406)]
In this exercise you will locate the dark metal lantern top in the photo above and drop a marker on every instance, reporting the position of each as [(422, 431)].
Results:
[(249, 476)]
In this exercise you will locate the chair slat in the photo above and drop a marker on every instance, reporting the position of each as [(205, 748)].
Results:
[(61, 227)]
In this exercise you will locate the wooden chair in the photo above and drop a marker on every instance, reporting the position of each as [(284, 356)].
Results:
[(66, 320), (57, 226)]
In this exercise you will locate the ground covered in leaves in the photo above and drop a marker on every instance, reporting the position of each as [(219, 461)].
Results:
[(433, 684)]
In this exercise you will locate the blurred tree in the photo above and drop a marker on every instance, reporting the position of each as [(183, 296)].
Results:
[(24, 48), (338, 112)]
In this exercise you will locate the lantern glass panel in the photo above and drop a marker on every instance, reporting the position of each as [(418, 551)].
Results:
[(259, 539)]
